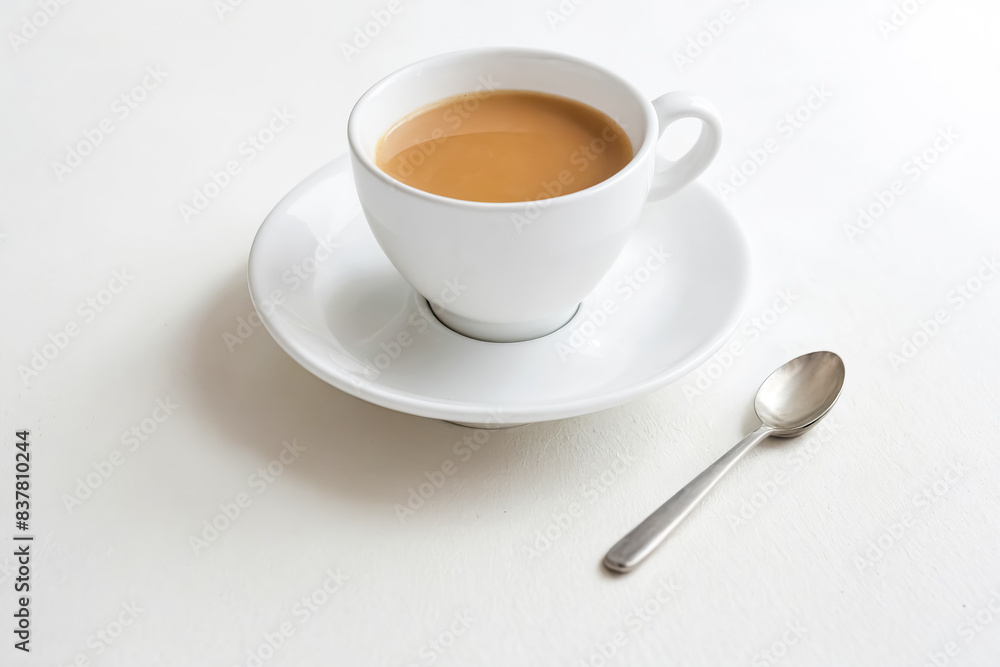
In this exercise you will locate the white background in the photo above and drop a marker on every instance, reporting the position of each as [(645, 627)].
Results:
[(758, 557)]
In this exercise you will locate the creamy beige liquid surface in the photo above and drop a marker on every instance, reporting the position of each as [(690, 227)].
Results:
[(504, 146)]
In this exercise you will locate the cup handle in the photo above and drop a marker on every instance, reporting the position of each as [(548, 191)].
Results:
[(672, 107)]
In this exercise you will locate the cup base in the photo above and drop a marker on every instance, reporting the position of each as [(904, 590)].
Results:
[(496, 332)]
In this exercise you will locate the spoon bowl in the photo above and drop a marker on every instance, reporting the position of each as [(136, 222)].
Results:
[(797, 395)]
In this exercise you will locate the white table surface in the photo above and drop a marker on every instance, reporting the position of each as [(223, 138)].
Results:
[(782, 565)]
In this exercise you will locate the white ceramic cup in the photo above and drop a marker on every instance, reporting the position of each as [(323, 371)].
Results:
[(514, 271)]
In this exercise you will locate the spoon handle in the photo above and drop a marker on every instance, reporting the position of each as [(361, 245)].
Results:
[(644, 538)]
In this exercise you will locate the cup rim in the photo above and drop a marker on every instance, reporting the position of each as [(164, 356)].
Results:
[(354, 140)]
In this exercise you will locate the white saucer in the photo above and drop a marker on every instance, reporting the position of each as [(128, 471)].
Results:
[(335, 304)]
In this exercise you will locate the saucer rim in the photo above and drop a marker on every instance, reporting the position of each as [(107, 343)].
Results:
[(415, 404)]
